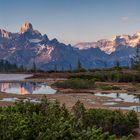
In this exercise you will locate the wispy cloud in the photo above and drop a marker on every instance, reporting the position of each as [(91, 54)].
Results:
[(127, 19), (124, 18)]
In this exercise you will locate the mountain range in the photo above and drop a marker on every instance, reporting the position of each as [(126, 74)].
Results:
[(29, 46)]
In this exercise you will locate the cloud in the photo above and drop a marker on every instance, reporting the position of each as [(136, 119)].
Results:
[(124, 18), (131, 20)]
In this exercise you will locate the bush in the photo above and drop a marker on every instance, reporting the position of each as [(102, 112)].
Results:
[(114, 122), (109, 76), (50, 121), (76, 84)]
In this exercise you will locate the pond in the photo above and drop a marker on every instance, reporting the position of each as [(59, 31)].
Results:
[(13, 83), (121, 97), (17, 99), (116, 98), (26, 88), (14, 77)]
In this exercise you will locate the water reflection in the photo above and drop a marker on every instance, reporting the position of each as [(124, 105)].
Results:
[(14, 77), (121, 97), (26, 88)]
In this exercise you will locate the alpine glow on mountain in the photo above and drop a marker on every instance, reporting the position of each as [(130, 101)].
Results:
[(110, 45), (29, 46)]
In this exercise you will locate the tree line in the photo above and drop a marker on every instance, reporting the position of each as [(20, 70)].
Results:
[(6, 66)]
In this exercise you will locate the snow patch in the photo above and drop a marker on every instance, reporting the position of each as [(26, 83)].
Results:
[(35, 40), (110, 45)]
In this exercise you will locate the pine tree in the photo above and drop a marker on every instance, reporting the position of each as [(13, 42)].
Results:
[(62, 69), (34, 67), (105, 64), (55, 68), (132, 63), (70, 68), (137, 58), (21, 68), (117, 64), (6, 66), (79, 65)]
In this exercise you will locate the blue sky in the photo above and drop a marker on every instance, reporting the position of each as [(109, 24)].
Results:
[(73, 21)]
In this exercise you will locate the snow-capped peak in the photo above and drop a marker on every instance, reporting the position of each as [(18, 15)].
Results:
[(110, 45), (26, 26)]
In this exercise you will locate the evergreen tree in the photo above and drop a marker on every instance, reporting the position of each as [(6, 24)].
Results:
[(137, 58), (117, 64), (21, 68), (105, 64), (62, 69), (55, 68), (6, 66), (131, 63), (70, 68), (34, 67), (79, 65)]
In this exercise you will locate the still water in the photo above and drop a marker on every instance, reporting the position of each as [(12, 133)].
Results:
[(26, 88), (121, 97), (12, 86), (14, 77)]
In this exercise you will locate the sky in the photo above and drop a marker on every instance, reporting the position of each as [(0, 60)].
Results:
[(73, 21)]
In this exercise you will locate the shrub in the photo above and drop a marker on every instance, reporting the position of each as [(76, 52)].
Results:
[(109, 87), (76, 84), (114, 122), (109, 76), (46, 121), (50, 121)]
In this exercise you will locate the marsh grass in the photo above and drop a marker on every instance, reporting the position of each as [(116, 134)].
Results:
[(76, 84)]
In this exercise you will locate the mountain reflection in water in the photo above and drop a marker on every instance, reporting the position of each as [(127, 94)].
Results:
[(26, 88)]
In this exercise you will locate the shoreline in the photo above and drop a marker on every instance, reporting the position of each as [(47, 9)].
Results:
[(70, 96)]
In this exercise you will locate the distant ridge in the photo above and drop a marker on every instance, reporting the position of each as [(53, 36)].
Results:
[(110, 45), (29, 46)]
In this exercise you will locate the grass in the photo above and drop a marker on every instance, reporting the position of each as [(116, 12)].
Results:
[(76, 84), (109, 87), (109, 76)]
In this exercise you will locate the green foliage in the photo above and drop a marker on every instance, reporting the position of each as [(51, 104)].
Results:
[(114, 122), (117, 65), (79, 65), (5, 66), (109, 87), (136, 59), (109, 76), (76, 84), (34, 67), (50, 121)]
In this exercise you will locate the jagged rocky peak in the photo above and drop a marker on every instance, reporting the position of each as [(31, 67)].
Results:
[(137, 34), (26, 26), (45, 37), (54, 41), (4, 34)]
